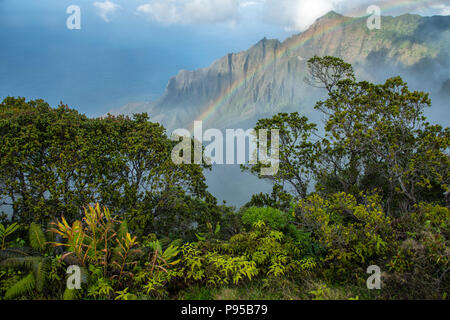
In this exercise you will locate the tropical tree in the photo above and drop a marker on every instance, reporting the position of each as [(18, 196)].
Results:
[(56, 161), (297, 155), (377, 138)]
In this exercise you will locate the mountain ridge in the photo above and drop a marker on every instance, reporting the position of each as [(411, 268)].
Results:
[(268, 77)]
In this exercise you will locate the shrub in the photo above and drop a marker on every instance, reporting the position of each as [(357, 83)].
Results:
[(419, 267), (273, 252), (211, 267), (272, 217), (160, 268), (38, 268), (354, 235)]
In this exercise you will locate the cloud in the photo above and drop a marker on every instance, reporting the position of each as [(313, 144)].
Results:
[(106, 9), (191, 11), (162, 11), (298, 15), (442, 9), (245, 3), (293, 15)]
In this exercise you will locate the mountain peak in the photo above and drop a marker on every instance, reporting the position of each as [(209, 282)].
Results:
[(331, 15), (269, 77)]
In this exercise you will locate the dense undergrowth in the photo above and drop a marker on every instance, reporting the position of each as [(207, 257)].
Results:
[(267, 260), (101, 199)]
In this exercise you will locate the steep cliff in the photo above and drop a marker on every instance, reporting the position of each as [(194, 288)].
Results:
[(268, 77)]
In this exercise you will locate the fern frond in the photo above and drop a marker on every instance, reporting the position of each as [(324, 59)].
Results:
[(37, 237), (27, 263), (4, 232), (16, 253), (41, 273), (176, 243), (11, 228), (21, 287)]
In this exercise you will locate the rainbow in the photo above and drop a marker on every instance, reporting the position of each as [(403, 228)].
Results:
[(302, 40)]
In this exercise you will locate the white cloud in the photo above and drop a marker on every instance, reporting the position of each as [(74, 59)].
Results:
[(161, 11), (106, 9), (293, 15), (298, 15), (245, 3), (191, 11), (442, 9)]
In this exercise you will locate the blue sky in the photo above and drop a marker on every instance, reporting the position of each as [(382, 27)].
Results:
[(127, 50)]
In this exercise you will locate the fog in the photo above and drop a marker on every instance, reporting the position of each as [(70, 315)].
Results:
[(229, 183)]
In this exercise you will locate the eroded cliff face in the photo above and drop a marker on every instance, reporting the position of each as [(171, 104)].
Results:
[(269, 77)]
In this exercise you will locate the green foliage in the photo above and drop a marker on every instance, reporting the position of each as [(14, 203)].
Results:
[(36, 279), (278, 198), (321, 292), (101, 240), (377, 138), (22, 287), (71, 294), (125, 295), (4, 232), (213, 268), (39, 267), (37, 237), (272, 217), (273, 252), (420, 264), (42, 274), (381, 198), (297, 154), (102, 288), (198, 293), (54, 161), (327, 72), (123, 252), (355, 235), (159, 269)]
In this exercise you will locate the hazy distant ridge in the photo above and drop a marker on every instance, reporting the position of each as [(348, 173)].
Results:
[(409, 44)]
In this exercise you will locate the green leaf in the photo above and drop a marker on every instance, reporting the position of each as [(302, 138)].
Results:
[(11, 229), (217, 228), (21, 287), (37, 237), (42, 272)]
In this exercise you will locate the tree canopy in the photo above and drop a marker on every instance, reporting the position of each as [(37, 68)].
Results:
[(376, 139), (56, 161)]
